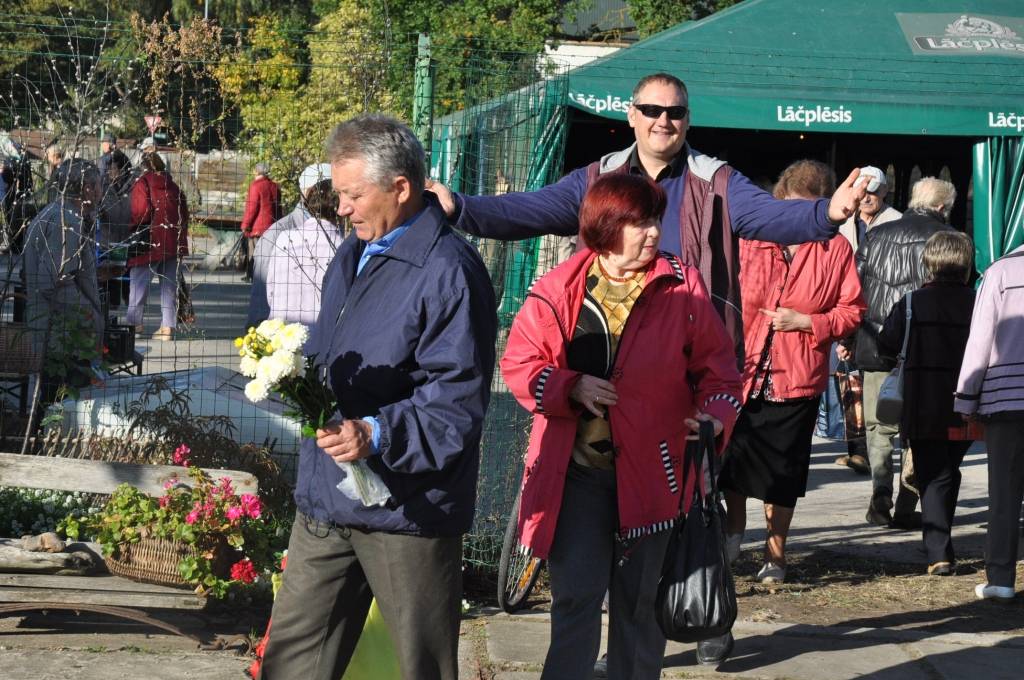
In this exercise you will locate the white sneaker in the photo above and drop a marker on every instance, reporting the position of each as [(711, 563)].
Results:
[(771, 573), (984, 591), (733, 543)]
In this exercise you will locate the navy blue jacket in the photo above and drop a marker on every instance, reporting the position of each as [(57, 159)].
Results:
[(554, 209), (411, 342)]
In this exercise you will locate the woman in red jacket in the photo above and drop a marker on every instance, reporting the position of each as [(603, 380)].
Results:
[(796, 301), (617, 352), (159, 207), (262, 209)]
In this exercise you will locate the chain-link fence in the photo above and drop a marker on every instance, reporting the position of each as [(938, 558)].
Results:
[(207, 109)]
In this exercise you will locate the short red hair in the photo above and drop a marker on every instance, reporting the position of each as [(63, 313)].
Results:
[(615, 201)]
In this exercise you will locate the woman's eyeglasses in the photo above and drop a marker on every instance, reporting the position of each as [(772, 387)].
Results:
[(655, 111)]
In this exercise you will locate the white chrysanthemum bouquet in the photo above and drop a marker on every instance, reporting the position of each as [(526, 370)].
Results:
[(271, 354)]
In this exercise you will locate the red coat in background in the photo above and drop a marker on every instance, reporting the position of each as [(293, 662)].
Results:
[(262, 206), (821, 282), (158, 203), (674, 359)]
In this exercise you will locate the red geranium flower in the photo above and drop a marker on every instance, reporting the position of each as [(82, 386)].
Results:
[(243, 571)]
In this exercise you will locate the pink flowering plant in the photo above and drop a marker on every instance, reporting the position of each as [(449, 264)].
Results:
[(203, 513)]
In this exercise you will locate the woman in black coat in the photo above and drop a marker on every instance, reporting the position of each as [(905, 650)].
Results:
[(939, 326)]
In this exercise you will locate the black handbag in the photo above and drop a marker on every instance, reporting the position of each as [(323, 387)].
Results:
[(696, 596)]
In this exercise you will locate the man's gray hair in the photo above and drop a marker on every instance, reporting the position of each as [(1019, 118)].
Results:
[(932, 193), (72, 176), (388, 147)]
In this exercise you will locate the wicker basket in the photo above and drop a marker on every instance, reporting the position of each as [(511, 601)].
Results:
[(16, 353), (155, 560)]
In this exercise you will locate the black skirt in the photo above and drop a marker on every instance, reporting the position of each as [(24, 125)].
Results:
[(770, 451)]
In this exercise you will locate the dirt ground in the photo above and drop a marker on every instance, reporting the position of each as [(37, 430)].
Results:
[(829, 589)]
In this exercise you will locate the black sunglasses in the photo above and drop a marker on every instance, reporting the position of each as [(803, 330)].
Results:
[(655, 111)]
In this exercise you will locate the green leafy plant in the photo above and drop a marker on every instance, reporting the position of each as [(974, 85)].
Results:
[(34, 511), (201, 515)]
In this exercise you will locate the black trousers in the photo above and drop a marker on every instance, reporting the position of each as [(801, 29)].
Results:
[(937, 467), (1005, 441)]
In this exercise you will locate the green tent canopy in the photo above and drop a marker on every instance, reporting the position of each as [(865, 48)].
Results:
[(918, 67), (905, 67)]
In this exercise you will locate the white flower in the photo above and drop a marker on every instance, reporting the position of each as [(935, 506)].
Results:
[(247, 367), (269, 328), (292, 337), (276, 367), (256, 390)]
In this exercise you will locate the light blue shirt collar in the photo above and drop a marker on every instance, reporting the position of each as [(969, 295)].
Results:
[(384, 243)]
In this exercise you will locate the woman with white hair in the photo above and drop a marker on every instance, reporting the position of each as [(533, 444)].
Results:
[(295, 275), (60, 275)]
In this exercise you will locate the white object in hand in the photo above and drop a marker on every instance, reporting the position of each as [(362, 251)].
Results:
[(363, 484)]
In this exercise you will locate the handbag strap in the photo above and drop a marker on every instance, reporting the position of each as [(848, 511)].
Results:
[(696, 452), (906, 329)]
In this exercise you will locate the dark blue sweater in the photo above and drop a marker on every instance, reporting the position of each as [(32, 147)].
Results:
[(554, 209)]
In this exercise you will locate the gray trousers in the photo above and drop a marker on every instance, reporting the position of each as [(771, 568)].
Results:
[(879, 437), (332, 575), (166, 272), (1005, 443), (583, 565), (879, 442)]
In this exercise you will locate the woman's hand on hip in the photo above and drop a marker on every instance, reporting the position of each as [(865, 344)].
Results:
[(694, 425), (594, 394)]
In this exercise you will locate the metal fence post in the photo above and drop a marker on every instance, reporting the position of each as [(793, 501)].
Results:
[(423, 93)]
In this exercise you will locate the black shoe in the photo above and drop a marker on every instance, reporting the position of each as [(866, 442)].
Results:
[(910, 522), (714, 651), (247, 279), (601, 667), (879, 511)]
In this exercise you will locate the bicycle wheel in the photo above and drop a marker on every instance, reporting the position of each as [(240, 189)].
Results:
[(518, 569)]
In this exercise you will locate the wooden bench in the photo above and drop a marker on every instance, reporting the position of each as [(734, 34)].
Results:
[(103, 593)]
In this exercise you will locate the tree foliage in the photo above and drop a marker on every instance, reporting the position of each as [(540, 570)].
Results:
[(287, 103), (652, 16)]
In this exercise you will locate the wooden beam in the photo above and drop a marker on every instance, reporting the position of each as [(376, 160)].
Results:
[(95, 476), (14, 559), (97, 590)]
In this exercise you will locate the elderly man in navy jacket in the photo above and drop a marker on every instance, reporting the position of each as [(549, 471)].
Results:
[(406, 333)]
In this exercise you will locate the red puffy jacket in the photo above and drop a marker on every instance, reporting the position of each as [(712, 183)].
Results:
[(674, 359), (262, 206), (158, 203), (821, 282)]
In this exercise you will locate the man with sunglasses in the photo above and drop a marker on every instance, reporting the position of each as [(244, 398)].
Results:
[(709, 206), (709, 203)]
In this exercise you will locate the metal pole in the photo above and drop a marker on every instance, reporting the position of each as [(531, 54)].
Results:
[(206, 10), (423, 93)]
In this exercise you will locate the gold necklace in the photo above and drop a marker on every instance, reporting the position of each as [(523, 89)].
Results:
[(614, 279)]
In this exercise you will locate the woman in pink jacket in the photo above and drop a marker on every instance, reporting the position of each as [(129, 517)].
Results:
[(617, 352), (797, 300)]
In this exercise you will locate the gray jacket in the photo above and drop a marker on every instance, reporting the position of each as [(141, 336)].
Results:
[(991, 381), (60, 278)]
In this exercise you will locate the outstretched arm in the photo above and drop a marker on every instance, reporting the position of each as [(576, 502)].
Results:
[(554, 209), (757, 215)]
